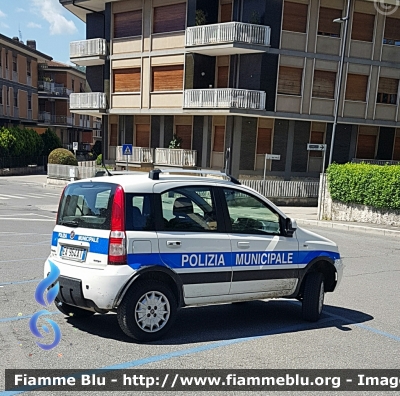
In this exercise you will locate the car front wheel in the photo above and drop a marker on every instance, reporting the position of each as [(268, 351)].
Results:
[(313, 297)]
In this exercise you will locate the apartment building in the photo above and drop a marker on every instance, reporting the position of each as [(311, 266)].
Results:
[(18, 81), (251, 76), (56, 82)]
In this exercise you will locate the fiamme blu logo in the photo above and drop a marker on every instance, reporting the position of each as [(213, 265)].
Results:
[(46, 299)]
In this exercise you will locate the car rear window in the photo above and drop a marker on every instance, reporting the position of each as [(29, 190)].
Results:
[(87, 205)]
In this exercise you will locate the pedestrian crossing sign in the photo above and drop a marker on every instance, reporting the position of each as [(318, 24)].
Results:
[(127, 149)]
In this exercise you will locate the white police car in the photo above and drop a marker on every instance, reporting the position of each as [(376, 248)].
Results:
[(145, 245)]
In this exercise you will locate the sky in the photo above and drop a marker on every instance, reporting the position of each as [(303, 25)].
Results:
[(46, 21)]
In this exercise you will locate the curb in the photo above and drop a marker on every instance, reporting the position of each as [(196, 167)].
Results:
[(350, 227)]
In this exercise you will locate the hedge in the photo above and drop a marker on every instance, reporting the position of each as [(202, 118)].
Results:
[(371, 185)]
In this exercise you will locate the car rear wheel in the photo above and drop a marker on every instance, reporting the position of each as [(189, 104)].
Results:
[(313, 297), (147, 311), (70, 310)]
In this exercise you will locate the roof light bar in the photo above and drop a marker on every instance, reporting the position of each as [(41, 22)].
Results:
[(155, 173)]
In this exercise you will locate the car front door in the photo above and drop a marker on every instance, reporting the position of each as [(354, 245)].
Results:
[(264, 260)]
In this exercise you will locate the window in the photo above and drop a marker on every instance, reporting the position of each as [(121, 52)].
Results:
[(326, 26), (81, 89), (29, 102), (128, 24), (6, 60), (387, 90), (73, 85), (363, 27), (290, 79), (219, 139), (366, 142), (169, 18), (14, 60), (15, 98), (28, 68), (1, 55), (142, 135), (8, 96), (392, 31), (295, 17), (126, 80), (264, 138), (184, 132), (356, 88), (324, 84), (167, 78), (249, 215), (139, 212), (189, 209)]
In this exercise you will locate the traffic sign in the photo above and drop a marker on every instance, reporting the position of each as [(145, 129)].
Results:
[(127, 149), (274, 157), (316, 147), (75, 146)]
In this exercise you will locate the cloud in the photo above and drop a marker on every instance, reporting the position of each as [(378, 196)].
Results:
[(51, 11), (4, 25), (2, 15), (19, 9), (34, 25)]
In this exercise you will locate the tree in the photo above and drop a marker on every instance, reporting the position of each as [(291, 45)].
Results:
[(50, 142)]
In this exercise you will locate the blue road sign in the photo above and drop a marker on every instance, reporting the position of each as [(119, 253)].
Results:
[(127, 149)]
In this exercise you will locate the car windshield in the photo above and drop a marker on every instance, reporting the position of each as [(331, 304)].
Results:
[(87, 205)]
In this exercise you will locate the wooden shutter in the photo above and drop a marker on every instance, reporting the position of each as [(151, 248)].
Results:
[(363, 27), (142, 135), (219, 139), (114, 135), (388, 85), (366, 146), (169, 18), (264, 141), (392, 29), (127, 24), (223, 77), (326, 26), (295, 17), (185, 133), (290, 79), (226, 12), (167, 78), (126, 80), (324, 84), (356, 88), (316, 137), (396, 150)]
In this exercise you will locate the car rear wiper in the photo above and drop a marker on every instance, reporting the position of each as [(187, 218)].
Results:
[(70, 223)]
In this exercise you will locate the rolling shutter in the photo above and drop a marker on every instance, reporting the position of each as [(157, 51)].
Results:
[(366, 146), (219, 139), (324, 84), (318, 138), (392, 29), (363, 27), (167, 78), (126, 80), (396, 151), (388, 85), (290, 79), (295, 17), (356, 88), (223, 77), (226, 13), (169, 18), (264, 140), (127, 24), (142, 135), (185, 133), (326, 26), (114, 135)]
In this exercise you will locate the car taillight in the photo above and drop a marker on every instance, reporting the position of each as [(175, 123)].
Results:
[(117, 241)]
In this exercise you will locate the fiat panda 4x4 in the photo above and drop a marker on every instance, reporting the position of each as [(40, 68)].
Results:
[(144, 246)]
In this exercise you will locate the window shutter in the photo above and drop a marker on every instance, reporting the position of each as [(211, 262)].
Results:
[(388, 85), (169, 18), (127, 80), (264, 141), (185, 133), (295, 17), (356, 88), (392, 29), (326, 26), (223, 77), (396, 151), (127, 24), (290, 79), (114, 135), (142, 135), (316, 137), (168, 78), (219, 138), (363, 27), (366, 146), (324, 84), (226, 12)]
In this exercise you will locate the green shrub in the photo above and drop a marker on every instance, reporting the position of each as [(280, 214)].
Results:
[(63, 157), (99, 159), (372, 185), (50, 141), (17, 142)]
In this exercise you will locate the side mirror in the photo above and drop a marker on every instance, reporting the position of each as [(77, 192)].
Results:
[(290, 227)]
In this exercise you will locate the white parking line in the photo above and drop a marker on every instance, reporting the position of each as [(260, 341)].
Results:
[(11, 196)]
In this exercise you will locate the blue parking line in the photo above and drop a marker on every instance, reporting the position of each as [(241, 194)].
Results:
[(20, 282)]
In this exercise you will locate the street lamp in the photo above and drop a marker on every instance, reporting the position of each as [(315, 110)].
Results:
[(344, 20)]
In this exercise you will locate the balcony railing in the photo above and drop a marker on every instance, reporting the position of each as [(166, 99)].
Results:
[(84, 123), (80, 51), (175, 157), (48, 118), (88, 101), (375, 162), (96, 133), (54, 88), (228, 32), (225, 98), (96, 124), (141, 155)]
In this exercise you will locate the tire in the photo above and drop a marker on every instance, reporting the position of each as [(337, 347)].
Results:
[(70, 310), (137, 314), (313, 297)]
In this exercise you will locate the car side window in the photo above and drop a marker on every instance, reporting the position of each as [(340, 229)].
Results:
[(189, 209), (249, 215), (139, 212)]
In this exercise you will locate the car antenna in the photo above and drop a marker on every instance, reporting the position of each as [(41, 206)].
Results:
[(104, 166)]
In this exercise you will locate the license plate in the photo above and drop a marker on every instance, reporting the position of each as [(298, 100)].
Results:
[(73, 253)]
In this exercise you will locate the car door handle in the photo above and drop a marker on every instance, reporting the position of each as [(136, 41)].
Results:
[(174, 243), (243, 245)]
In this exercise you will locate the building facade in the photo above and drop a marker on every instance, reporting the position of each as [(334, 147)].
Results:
[(251, 76)]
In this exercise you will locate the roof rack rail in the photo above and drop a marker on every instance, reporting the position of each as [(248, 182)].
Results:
[(155, 173)]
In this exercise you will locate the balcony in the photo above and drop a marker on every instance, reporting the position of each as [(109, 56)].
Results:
[(97, 134), (91, 103), (175, 157), (54, 119), (88, 52), (140, 155), (224, 98), (228, 38), (53, 89)]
